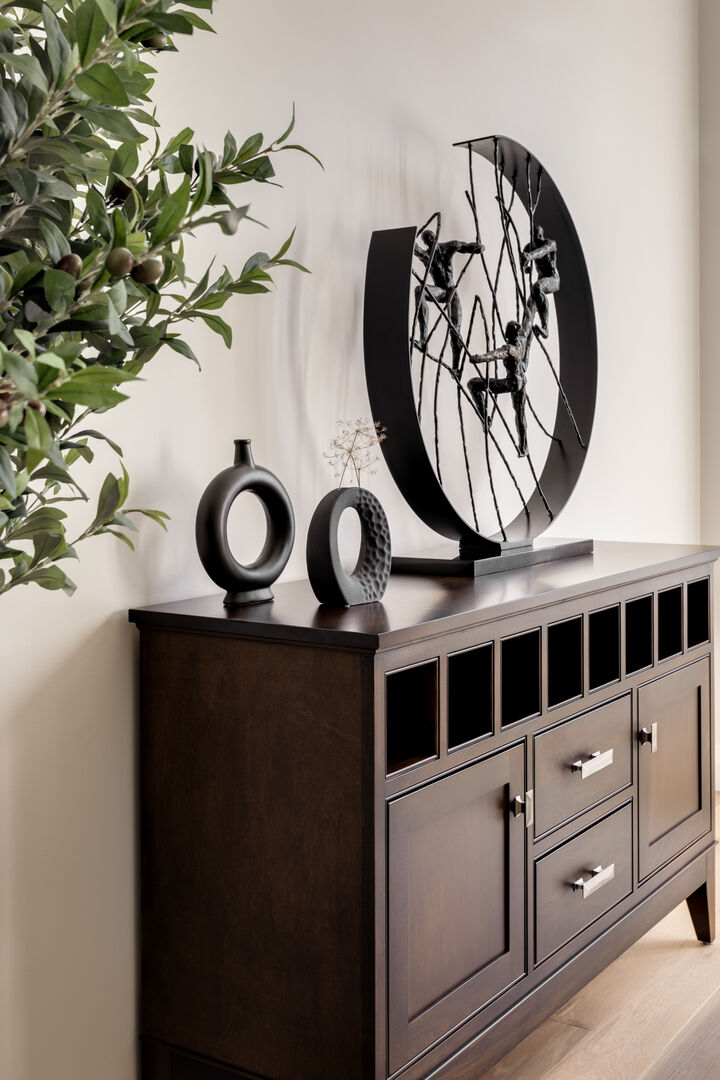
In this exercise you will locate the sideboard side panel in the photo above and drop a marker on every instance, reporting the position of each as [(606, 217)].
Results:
[(254, 876)]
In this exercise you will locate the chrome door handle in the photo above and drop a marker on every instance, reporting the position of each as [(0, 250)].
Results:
[(595, 763), (525, 804), (598, 877), (650, 736)]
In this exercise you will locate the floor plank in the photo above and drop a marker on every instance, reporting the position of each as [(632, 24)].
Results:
[(538, 1053), (696, 1053)]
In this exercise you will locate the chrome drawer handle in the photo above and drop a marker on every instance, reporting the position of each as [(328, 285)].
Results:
[(524, 804), (595, 763), (650, 736), (598, 877)]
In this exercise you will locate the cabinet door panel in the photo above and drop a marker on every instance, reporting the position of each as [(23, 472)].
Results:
[(674, 796), (456, 900)]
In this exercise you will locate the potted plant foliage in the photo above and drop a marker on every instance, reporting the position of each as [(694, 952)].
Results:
[(94, 209)]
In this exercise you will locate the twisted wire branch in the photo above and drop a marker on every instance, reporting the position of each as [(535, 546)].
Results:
[(511, 252), (561, 391)]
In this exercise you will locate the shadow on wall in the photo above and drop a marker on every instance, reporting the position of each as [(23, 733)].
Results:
[(316, 371), (68, 829)]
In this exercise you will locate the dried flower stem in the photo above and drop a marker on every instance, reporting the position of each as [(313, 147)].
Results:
[(354, 448)]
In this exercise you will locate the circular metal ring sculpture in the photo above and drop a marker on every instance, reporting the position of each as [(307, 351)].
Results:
[(332, 584), (390, 348), (245, 584)]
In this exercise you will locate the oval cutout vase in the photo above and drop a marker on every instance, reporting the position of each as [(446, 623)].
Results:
[(244, 584)]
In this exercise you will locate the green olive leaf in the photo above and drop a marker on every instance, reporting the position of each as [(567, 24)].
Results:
[(107, 7), (102, 84), (59, 289), (26, 65), (55, 241), (57, 45), (51, 577), (218, 326), (90, 28), (172, 213), (7, 473)]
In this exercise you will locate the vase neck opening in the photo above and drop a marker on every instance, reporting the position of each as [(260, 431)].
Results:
[(243, 452)]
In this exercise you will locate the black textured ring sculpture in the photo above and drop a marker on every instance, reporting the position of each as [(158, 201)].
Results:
[(245, 584), (332, 584)]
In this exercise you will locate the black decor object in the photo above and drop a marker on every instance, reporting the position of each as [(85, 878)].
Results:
[(332, 584), (244, 584), (479, 454)]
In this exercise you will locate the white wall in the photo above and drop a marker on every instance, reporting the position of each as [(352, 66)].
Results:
[(709, 284), (709, 26), (606, 96)]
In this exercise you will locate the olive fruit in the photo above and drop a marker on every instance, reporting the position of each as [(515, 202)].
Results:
[(156, 41), (4, 414), (38, 406), (148, 272), (71, 264), (119, 262)]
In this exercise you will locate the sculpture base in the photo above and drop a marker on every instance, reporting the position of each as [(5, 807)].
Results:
[(252, 596), (443, 561)]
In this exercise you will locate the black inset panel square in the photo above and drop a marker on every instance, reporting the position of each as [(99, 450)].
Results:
[(698, 612), (521, 677), (638, 634), (604, 635), (470, 695), (670, 623), (565, 661), (411, 714)]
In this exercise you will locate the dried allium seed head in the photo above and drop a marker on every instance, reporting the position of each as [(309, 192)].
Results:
[(354, 448)]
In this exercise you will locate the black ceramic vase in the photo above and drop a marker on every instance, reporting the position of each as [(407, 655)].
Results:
[(244, 584), (332, 584)]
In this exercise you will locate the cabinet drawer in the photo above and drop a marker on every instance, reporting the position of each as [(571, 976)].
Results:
[(581, 880), (582, 761)]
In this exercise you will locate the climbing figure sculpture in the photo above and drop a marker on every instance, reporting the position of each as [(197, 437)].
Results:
[(514, 355), (443, 288), (543, 253)]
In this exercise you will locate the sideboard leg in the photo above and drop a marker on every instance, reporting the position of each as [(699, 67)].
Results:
[(702, 904), (156, 1061)]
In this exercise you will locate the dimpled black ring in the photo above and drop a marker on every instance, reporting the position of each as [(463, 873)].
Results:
[(332, 584)]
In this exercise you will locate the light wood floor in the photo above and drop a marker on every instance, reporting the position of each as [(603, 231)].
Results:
[(654, 1014)]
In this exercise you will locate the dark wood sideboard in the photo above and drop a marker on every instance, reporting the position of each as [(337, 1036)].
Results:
[(390, 840)]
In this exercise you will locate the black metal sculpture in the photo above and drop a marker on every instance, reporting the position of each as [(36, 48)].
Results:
[(407, 371)]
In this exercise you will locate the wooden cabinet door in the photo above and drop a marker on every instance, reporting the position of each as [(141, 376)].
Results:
[(456, 900), (674, 748)]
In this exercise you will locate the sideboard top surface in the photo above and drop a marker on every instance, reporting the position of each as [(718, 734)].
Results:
[(416, 607)]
